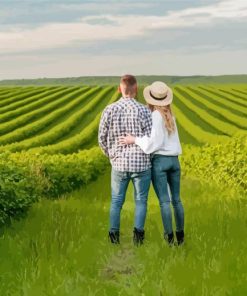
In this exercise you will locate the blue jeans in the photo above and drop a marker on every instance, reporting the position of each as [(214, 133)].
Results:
[(166, 171), (119, 184)]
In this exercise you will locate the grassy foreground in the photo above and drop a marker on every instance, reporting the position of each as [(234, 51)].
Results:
[(61, 247)]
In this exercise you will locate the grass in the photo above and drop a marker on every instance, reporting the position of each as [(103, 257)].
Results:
[(61, 247)]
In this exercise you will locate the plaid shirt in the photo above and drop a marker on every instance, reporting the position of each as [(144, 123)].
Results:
[(126, 116)]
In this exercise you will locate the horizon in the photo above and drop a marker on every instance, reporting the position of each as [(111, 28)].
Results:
[(57, 39), (118, 76)]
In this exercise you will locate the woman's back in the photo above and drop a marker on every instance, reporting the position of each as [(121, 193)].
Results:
[(160, 141)]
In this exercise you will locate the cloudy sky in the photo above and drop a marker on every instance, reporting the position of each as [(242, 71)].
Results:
[(58, 38)]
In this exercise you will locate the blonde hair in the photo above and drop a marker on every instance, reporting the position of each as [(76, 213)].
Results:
[(167, 115)]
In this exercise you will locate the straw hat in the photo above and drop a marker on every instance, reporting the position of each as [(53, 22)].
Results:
[(158, 94)]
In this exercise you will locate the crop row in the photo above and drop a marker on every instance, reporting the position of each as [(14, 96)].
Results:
[(222, 126), (34, 128), (239, 121), (238, 91), (35, 114), (36, 105), (59, 130), (79, 141), (5, 91), (219, 100), (8, 91), (234, 95), (24, 102), (196, 131), (65, 119), (20, 95), (227, 96)]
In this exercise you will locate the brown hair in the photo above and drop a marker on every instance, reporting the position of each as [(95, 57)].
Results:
[(167, 115), (128, 82)]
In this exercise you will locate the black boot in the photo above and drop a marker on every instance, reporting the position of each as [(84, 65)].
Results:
[(169, 238), (114, 237), (138, 236), (180, 237)]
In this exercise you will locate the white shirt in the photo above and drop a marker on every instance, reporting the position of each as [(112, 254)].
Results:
[(160, 142)]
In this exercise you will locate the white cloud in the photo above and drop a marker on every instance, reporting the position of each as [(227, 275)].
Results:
[(223, 10), (116, 27), (110, 5)]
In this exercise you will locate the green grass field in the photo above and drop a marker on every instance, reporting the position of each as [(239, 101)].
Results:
[(60, 246)]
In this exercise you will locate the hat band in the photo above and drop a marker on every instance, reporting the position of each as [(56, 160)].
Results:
[(158, 99)]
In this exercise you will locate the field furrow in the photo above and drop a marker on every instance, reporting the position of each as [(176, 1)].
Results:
[(61, 99), (6, 91), (195, 130), (54, 119), (234, 94), (21, 95), (36, 105), (28, 100), (240, 91), (78, 142), (45, 123), (225, 96), (185, 137), (221, 127), (220, 112), (60, 130), (191, 113), (89, 115), (200, 102)]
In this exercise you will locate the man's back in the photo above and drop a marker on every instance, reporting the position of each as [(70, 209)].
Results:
[(126, 116)]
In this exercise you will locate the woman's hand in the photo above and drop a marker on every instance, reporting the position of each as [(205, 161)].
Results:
[(129, 139)]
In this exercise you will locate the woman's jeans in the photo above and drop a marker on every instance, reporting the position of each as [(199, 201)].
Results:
[(166, 170), (119, 184)]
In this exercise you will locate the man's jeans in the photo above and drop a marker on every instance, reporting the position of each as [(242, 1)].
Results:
[(119, 184), (166, 170)]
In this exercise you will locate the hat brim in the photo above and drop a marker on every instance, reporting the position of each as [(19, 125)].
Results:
[(152, 101)]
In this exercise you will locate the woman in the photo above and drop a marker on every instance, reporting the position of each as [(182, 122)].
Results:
[(164, 145)]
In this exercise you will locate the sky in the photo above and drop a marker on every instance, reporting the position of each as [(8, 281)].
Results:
[(58, 38)]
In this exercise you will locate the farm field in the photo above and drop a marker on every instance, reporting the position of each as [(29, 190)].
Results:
[(61, 248), (55, 196), (65, 119)]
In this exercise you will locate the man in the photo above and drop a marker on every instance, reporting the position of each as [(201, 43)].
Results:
[(129, 162)]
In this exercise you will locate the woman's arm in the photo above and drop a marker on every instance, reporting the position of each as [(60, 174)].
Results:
[(148, 144)]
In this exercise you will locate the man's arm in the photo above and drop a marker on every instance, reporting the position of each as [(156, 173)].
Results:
[(103, 132)]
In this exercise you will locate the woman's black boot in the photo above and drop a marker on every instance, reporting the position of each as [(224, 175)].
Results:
[(180, 237), (169, 238)]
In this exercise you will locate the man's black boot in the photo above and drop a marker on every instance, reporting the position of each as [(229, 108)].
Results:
[(114, 237), (169, 238), (138, 236), (180, 237)]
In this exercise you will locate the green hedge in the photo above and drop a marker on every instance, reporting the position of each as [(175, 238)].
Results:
[(225, 164), (26, 177), (18, 190)]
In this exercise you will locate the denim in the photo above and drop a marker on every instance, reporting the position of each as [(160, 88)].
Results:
[(119, 184), (166, 171)]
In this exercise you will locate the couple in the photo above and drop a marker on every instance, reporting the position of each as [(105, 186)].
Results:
[(142, 144)]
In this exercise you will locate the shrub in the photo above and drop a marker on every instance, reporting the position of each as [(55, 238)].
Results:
[(222, 163), (17, 190), (26, 177)]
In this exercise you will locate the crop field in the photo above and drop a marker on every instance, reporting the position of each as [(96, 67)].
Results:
[(65, 119), (55, 197)]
